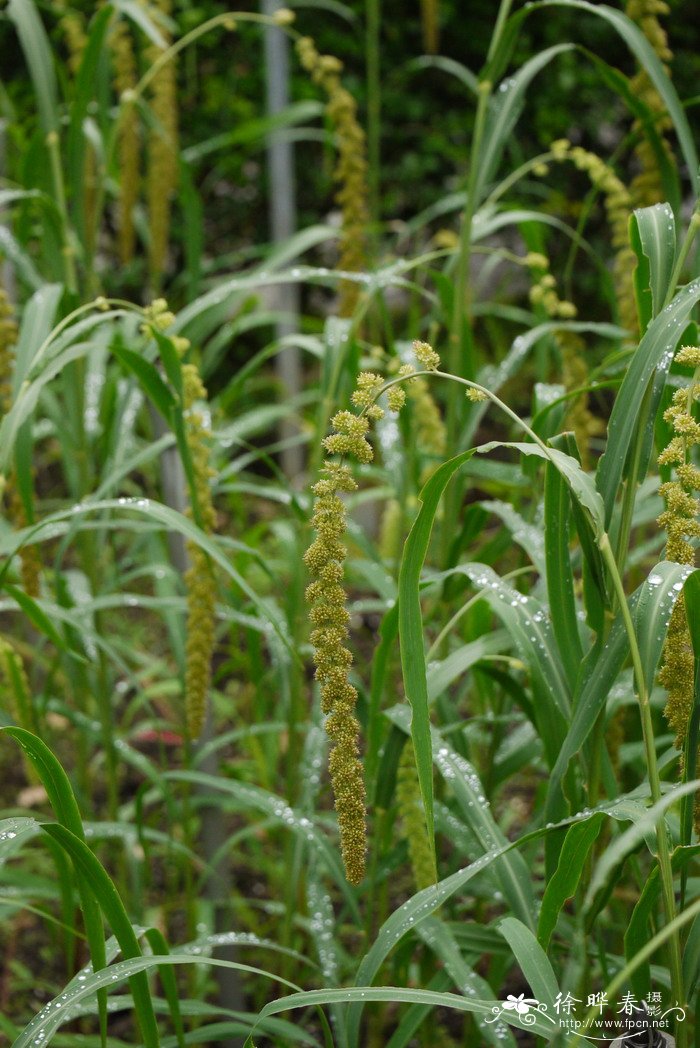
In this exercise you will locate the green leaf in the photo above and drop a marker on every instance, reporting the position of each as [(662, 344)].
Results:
[(642, 50), (106, 894), (446, 65), (171, 520), (425, 902), (533, 961), (393, 994), (148, 377), (600, 670), (257, 799), (641, 924), (388, 631), (691, 595), (36, 615), (14, 833), (642, 829), (411, 630), (578, 481), (45, 1024), (653, 235), (512, 872), (655, 352), (137, 13), (38, 318), (691, 959), (84, 93), (171, 360), (505, 107), (442, 674), (435, 934), (657, 598), (65, 807), (562, 886), (530, 629), (560, 579), (37, 52), (156, 940)]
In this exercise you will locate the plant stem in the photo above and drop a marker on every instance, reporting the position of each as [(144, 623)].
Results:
[(53, 147), (460, 355), (374, 103), (664, 855), (693, 227)]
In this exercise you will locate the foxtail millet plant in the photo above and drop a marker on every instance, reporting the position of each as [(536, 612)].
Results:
[(325, 559), (350, 171), (411, 813), (162, 173), (618, 208), (30, 563), (571, 347), (647, 187), (200, 581), (128, 144), (680, 521)]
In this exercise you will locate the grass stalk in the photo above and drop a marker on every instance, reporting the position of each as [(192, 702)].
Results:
[(664, 854), (373, 15), (68, 254)]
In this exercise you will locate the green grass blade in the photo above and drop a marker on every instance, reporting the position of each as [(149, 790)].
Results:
[(657, 598), (531, 958), (562, 886), (642, 829), (48, 1021), (512, 872), (437, 935), (156, 940), (84, 94), (105, 893), (653, 236), (411, 630), (560, 579), (38, 319), (388, 631), (691, 593), (37, 52), (579, 483), (599, 672), (505, 108), (36, 615), (171, 520), (654, 352), (642, 50), (14, 833), (65, 807), (395, 994)]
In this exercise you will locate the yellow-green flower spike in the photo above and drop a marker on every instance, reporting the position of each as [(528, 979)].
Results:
[(426, 356), (162, 174), (412, 816), (325, 560), (680, 522), (128, 145), (618, 208), (351, 169), (647, 186), (200, 581)]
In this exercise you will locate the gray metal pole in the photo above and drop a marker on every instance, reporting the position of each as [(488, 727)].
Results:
[(283, 220)]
